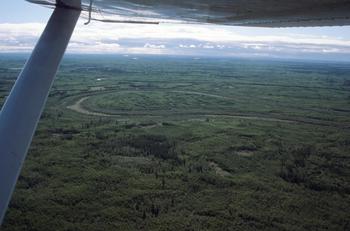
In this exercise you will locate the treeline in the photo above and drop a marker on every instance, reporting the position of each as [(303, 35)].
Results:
[(158, 146), (313, 168), (154, 145)]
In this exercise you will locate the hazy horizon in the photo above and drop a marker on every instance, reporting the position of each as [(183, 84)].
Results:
[(21, 24), (26, 55)]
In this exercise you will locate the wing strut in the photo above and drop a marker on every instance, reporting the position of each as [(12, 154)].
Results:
[(22, 110)]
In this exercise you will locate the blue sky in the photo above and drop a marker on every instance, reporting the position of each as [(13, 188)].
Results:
[(20, 11), (21, 24)]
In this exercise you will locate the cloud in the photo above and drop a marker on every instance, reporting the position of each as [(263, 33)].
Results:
[(180, 39), (154, 46)]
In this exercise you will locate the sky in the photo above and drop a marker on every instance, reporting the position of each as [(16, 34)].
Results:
[(21, 24)]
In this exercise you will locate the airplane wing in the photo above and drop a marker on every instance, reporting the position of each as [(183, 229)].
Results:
[(259, 13)]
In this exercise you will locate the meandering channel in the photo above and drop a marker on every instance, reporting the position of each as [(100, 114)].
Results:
[(79, 108)]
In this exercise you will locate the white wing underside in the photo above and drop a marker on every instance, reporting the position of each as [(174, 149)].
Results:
[(262, 13)]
